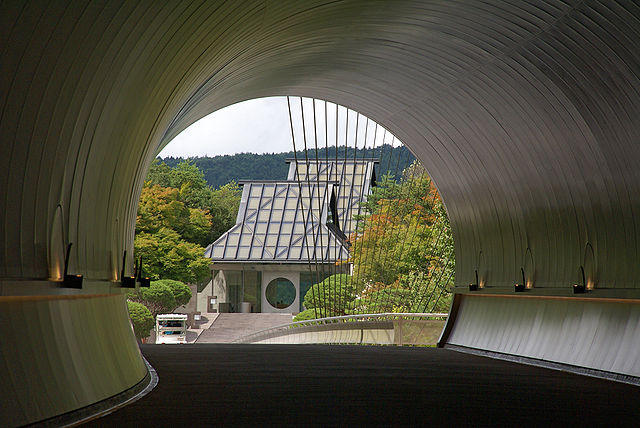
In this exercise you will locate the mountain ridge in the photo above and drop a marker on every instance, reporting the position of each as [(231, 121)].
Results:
[(222, 169)]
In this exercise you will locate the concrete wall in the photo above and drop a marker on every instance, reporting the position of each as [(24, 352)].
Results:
[(215, 287), (267, 277), (395, 332)]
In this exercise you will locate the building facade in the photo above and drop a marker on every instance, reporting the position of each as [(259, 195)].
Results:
[(288, 236)]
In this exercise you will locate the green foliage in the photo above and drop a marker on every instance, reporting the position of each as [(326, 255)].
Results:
[(158, 298), (181, 291), (405, 231), (141, 318), (220, 170), (332, 297), (309, 314), (223, 207), (402, 254), (178, 215), (169, 257)]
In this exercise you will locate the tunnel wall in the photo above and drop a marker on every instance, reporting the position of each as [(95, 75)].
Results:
[(598, 334), (523, 112), (61, 353)]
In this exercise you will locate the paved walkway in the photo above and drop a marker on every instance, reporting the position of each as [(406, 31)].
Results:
[(352, 386), (228, 327), (206, 319)]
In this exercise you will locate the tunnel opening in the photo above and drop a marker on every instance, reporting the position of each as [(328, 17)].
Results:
[(355, 225)]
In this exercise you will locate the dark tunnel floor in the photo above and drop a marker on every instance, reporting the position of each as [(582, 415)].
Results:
[(321, 385)]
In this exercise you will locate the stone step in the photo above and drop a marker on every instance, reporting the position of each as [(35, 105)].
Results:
[(230, 326)]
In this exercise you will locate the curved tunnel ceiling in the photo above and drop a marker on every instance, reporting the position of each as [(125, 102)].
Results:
[(524, 113)]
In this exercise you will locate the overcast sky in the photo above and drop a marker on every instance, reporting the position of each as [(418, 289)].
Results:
[(262, 126)]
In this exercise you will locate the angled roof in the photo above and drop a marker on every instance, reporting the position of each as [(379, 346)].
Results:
[(354, 176), (281, 222)]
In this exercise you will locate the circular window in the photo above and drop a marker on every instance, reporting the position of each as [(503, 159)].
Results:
[(280, 293)]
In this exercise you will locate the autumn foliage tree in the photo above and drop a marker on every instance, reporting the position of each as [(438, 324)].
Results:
[(402, 252), (178, 215)]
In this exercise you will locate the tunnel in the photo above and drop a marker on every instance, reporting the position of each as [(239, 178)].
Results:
[(524, 113)]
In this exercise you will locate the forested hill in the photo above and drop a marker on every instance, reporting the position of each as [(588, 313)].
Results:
[(220, 170)]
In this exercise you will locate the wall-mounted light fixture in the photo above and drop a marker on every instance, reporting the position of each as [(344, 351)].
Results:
[(144, 281), (580, 288), (521, 287), (126, 281), (474, 286), (70, 281)]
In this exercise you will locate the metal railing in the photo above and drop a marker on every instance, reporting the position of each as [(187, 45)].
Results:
[(360, 322)]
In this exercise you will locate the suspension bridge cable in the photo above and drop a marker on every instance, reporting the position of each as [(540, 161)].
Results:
[(435, 304), (412, 283), (438, 284), (365, 175), (311, 191), (400, 250), (363, 239), (435, 284), (411, 231), (329, 171), (339, 178), (320, 205), (297, 174), (380, 248), (358, 191), (430, 274)]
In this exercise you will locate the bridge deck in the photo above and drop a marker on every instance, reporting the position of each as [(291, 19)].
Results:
[(321, 385)]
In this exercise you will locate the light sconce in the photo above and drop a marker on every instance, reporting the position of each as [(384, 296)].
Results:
[(580, 288), (126, 281), (144, 281), (70, 281), (474, 286), (519, 288)]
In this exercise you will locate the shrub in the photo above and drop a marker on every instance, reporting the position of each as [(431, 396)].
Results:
[(141, 319), (158, 298), (181, 291)]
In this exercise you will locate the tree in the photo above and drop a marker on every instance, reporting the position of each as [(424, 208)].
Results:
[(223, 207), (334, 296), (167, 256), (403, 247), (402, 254), (158, 298), (163, 296), (141, 319), (178, 215), (181, 291), (220, 170)]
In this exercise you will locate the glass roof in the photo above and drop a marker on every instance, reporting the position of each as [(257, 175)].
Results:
[(354, 176), (282, 221)]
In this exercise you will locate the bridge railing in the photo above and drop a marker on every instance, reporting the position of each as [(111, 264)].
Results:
[(385, 328)]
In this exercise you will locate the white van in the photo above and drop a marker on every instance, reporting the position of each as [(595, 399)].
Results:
[(171, 328)]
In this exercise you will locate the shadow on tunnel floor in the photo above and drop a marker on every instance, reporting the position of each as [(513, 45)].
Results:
[(325, 385)]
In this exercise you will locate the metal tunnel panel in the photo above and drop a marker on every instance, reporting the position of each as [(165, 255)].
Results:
[(523, 112), (596, 334), (62, 353)]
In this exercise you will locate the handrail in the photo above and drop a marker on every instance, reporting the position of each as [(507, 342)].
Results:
[(333, 320)]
